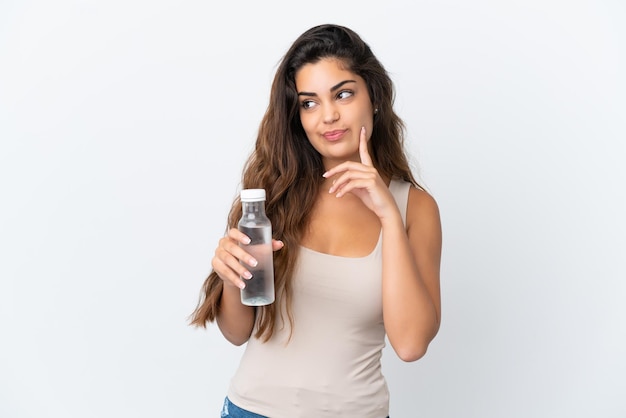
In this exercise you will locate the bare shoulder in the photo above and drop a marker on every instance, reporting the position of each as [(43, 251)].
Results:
[(422, 209), (424, 228)]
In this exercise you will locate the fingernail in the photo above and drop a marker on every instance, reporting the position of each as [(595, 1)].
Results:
[(246, 240), (241, 285), (247, 275), (253, 262), (362, 128), (325, 174)]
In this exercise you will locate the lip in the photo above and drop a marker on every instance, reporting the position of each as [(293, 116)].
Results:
[(334, 135)]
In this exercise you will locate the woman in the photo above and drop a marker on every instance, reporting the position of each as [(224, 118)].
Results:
[(357, 249)]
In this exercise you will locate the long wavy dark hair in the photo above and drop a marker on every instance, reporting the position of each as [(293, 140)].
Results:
[(286, 165)]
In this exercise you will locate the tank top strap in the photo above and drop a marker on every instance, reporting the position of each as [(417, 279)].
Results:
[(400, 191)]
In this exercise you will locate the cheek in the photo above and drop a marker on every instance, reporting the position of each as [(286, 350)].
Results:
[(307, 123), (368, 122)]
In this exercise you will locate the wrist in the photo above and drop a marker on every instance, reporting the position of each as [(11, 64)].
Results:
[(391, 220)]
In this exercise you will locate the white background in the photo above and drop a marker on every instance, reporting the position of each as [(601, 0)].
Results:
[(124, 126)]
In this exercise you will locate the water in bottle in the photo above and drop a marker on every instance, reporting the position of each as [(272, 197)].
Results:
[(256, 225)]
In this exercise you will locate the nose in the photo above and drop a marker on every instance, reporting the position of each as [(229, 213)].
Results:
[(331, 114)]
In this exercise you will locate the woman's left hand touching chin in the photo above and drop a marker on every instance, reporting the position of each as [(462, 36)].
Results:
[(362, 180)]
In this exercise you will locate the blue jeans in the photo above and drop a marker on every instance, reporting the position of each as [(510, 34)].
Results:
[(230, 410)]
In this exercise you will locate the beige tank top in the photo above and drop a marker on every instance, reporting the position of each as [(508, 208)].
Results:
[(331, 366)]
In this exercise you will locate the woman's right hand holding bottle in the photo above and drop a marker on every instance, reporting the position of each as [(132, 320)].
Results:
[(235, 319), (229, 255)]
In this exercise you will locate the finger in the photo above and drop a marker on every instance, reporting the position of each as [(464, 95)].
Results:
[(363, 152), (232, 255), (238, 236), (235, 248), (238, 253), (277, 245), (228, 275), (347, 166), (354, 184), (361, 172)]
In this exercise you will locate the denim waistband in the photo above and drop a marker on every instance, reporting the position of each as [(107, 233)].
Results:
[(230, 410)]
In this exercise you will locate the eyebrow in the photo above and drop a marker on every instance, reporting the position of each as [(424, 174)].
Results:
[(332, 89)]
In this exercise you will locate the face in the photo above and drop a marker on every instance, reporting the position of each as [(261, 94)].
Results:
[(334, 105)]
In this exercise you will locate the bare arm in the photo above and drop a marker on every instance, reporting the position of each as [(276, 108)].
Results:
[(234, 319), (411, 256), (411, 262)]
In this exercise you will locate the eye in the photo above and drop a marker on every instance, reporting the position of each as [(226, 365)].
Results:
[(344, 94), (307, 104)]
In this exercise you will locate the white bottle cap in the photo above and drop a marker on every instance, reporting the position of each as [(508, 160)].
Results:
[(252, 195)]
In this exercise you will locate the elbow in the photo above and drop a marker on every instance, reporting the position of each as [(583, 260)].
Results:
[(237, 341), (235, 338), (411, 354), (413, 349)]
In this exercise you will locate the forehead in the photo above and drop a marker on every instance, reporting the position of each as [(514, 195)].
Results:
[(323, 74)]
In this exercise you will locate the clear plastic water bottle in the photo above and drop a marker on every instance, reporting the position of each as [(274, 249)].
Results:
[(256, 225)]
